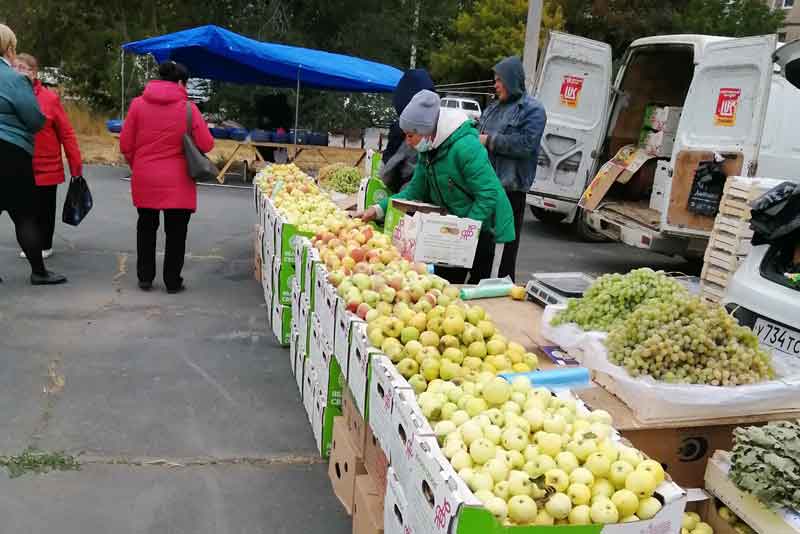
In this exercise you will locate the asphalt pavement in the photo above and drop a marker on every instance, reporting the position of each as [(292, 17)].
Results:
[(182, 407)]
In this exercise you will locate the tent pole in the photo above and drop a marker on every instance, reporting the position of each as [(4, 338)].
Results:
[(296, 112), (122, 82)]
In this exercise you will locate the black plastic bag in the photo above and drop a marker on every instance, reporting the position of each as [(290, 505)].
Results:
[(776, 213), (78, 202)]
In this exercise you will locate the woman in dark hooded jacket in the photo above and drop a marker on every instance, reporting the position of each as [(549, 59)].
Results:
[(399, 159)]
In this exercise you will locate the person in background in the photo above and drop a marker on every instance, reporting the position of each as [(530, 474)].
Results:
[(399, 159), (20, 119), (453, 171), (152, 142), (48, 165), (511, 130)]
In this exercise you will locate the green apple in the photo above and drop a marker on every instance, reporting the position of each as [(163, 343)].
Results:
[(470, 431), (482, 450), (408, 367), (602, 488), (531, 452), (534, 416), (544, 519), (495, 347), (487, 329), (604, 512), (599, 464), (493, 433), (498, 508), (409, 333), (580, 515), (453, 446), (626, 501), (430, 368), (581, 475), (502, 490), (544, 463), (466, 475), (482, 481), (449, 370), (477, 349), (444, 428), (429, 339), (567, 461), (453, 325), (630, 455), (654, 468), (585, 448), (556, 478), (461, 460), (418, 383), (619, 473), (472, 363), (514, 439), (522, 509), (641, 483), (497, 468), (448, 409), (649, 507), (497, 391), (453, 354), (476, 406), (579, 493), (601, 416), (549, 444), (475, 314), (559, 505), (516, 458), (460, 417), (519, 483), (555, 424)]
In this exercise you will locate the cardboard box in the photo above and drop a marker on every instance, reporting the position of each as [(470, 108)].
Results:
[(327, 319), (371, 191), (315, 345), (285, 234), (341, 336), (747, 507), (360, 367), (375, 460), (282, 278), (281, 323), (345, 464), (398, 208), (266, 284), (295, 301), (258, 247), (384, 386), (300, 366), (683, 447), (621, 168), (309, 392), (709, 512), (395, 508), (367, 507), (270, 217), (658, 144), (310, 276), (294, 339), (320, 288), (407, 422), (304, 322), (301, 246), (356, 425), (437, 239), (662, 118), (322, 425), (660, 182)]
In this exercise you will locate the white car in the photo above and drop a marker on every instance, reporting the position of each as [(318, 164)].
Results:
[(468, 105), (761, 298)]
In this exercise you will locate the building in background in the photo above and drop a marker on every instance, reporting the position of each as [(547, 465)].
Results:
[(791, 28)]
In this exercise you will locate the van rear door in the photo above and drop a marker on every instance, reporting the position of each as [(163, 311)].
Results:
[(573, 84), (724, 112)]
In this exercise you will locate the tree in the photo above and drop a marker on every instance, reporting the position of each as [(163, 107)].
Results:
[(480, 37), (737, 18)]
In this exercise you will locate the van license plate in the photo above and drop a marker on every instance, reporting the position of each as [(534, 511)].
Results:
[(537, 202), (777, 337)]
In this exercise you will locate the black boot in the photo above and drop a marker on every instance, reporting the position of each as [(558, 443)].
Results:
[(47, 278)]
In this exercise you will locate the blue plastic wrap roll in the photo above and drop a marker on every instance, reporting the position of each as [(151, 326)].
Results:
[(569, 378)]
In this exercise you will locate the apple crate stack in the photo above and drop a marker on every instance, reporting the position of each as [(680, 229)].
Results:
[(730, 238), (385, 463)]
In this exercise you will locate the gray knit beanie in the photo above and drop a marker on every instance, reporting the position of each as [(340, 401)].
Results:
[(421, 114)]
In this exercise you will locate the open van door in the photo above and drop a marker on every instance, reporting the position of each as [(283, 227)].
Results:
[(573, 84), (787, 57), (725, 110)]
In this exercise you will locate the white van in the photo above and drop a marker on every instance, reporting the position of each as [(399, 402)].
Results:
[(469, 106), (589, 120)]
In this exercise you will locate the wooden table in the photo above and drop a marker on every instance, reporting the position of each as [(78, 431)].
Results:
[(293, 149)]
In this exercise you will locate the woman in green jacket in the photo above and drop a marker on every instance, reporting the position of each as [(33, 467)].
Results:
[(454, 172)]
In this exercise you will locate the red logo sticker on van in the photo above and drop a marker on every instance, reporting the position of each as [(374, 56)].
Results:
[(571, 90), (727, 102)]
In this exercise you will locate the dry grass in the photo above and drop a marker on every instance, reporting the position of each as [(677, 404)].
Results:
[(101, 147)]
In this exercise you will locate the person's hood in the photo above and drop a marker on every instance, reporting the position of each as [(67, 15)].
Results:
[(162, 92), (412, 82), (450, 120), (37, 86), (512, 74)]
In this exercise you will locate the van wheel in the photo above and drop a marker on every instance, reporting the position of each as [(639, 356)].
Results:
[(586, 232), (547, 216)]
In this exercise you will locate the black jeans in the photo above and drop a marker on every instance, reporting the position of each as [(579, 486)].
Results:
[(176, 225), (46, 213), (481, 265), (508, 263)]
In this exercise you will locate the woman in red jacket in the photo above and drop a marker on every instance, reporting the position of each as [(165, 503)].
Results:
[(152, 142), (48, 165)]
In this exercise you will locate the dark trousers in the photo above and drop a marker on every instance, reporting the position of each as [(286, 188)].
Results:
[(508, 263), (46, 213), (28, 238), (176, 224), (481, 266)]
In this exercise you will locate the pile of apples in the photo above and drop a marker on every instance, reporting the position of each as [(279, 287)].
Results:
[(536, 459), (348, 247), (692, 523)]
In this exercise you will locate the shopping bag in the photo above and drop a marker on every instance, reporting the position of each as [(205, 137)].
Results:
[(78, 202)]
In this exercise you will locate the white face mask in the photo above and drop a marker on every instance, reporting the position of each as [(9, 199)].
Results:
[(425, 144)]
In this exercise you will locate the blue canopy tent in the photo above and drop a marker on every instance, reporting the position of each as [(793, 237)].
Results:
[(219, 54)]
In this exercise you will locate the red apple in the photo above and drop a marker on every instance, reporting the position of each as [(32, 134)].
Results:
[(396, 283), (341, 252), (402, 296), (421, 268), (358, 254), (368, 233), (361, 268), (363, 309)]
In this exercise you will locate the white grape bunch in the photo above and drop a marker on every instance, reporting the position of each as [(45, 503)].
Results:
[(688, 341), (612, 297)]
